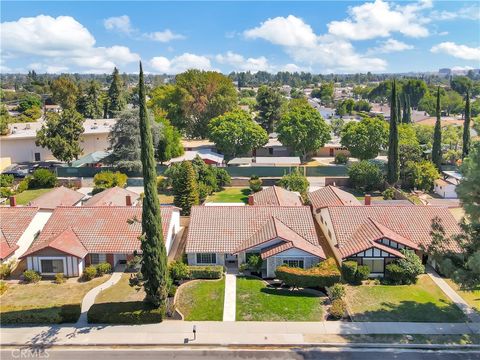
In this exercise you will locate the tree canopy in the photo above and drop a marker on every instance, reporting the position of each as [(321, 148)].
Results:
[(116, 95), (364, 139), (269, 107), (65, 91)]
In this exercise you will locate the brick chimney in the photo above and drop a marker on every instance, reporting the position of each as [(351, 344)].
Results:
[(250, 200), (13, 200), (368, 199), (128, 200)]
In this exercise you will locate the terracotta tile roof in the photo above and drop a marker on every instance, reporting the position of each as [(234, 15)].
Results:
[(356, 227), (115, 196), (223, 229), (60, 196), (330, 196), (100, 229), (13, 223), (275, 195), (67, 242)]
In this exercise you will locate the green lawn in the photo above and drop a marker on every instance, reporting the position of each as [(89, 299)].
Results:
[(471, 297), (360, 195), (422, 302), (165, 197), (256, 302), (230, 195), (28, 195), (202, 300)]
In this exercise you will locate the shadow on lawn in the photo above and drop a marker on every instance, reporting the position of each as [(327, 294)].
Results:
[(68, 313), (126, 312), (414, 312)]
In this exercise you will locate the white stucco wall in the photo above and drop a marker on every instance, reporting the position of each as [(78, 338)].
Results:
[(447, 192), (72, 266), (173, 229)]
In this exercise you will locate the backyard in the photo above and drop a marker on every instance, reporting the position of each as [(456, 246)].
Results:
[(201, 300), (230, 195), (422, 302), (257, 302), (28, 195)]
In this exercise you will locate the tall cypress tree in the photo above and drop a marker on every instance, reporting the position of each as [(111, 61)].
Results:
[(437, 136), (399, 108), (116, 95), (466, 128), (154, 254), (393, 156), (409, 110)]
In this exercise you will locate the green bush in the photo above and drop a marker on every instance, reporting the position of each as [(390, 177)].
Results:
[(108, 179), (5, 192), (366, 176), (42, 178), (161, 183), (3, 287), (341, 159), (23, 185), (31, 276), (206, 272), (59, 278), (6, 269), (338, 309), (70, 313), (336, 291), (89, 273), (363, 272), (223, 177), (349, 269), (394, 274), (131, 312), (255, 263), (321, 276), (203, 191), (389, 194), (103, 268), (178, 271), (404, 271), (255, 183), (6, 180), (133, 263)]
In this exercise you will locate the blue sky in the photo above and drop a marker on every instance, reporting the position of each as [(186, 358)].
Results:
[(169, 37)]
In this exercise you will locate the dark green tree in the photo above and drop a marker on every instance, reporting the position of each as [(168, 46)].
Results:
[(169, 142), (154, 254), (185, 188), (64, 91), (398, 107), (437, 136), (393, 169), (466, 128), (90, 104), (116, 95), (269, 104), (407, 114)]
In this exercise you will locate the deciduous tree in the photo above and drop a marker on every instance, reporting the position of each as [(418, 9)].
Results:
[(364, 139)]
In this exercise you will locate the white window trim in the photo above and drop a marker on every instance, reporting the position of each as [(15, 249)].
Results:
[(64, 259), (202, 263)]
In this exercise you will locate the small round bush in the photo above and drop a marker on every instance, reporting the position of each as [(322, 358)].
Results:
[(5, 192), (59, 278), (178, 271), (341, 159), (389, 194), (31, 276), (349, 269), (255, 183), (338, 309), (42, 178), (103, 268), (23, 185), (336, 291), (89, 273), (363, 272), (6, 180)]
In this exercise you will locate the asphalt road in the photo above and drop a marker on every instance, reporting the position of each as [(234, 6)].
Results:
[(217, 354)]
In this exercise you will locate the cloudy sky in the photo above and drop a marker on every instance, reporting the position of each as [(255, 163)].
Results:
[(321, 36)]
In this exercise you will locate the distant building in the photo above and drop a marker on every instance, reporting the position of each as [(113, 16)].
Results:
[(446, 187)]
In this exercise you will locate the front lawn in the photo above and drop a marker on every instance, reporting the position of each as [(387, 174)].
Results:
[(360, 195), (230, 195), (257, 302), (472, 297), (28, 195), (44, 302), (422, 302), (202, 300)]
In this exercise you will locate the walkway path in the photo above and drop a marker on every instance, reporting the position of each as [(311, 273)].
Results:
[(229, 305), (453, 295)]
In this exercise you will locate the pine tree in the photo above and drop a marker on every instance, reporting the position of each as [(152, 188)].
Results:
[(393, 156), (466, 128), (116, 96), (399, 109), (185, 188), (154, 254), (437, 136), (90, 104), (409, 110), (406, 109)]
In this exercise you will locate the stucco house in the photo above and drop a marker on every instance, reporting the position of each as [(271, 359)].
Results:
[(331, 195), (77, 236), (447, 186)]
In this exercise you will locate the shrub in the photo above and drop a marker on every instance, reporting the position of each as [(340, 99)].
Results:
[(404, 271), (6, 180), (255, 183), (3, 287), (363, 272), (59, 278), (203, 191), (55, 315), (206, 272), (178, 271), (133, 263), (6, 269), (321, 276), (336, 291), (23, 185), (394, 274), (161, 183), (31, 276), (295, 181), (223, 177), (243, 267), (130, 312), (349, 269), (255, 263), (365, 176), (103, 268), (136, 280), (42, 178), (89, 273), (338, 309), (108, 179), (389, 194), (5, 192), (341, 159)]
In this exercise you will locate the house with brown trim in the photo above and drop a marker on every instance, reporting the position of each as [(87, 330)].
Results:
[(275, 195)]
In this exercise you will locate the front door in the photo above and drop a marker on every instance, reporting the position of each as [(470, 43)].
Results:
[(231, 259)]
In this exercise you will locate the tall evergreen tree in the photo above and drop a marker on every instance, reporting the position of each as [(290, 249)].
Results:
[(393, 156), (399, 108), (185, 188), (116, 95), (154, 254), (90, 104), (437, 136), (466, 127), (406, 117), (409, 110)]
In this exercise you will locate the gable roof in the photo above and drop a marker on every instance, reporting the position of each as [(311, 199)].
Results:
[(100, 229), (67, 242), (224, 229), (60, 196), (115, 196), (330, 196), (13, 223), (357, 226), (275, 195)]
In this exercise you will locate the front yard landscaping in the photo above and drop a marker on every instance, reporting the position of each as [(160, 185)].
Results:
[(230, 195), (422, 302), (472, 297), (29, 195), (257, 302), (45, 302), (201, 300)]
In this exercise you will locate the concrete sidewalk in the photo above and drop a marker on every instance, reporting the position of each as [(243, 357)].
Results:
[(218, 333), (230, 300)]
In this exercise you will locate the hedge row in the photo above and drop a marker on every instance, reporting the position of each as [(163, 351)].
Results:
[(323, 275), (131, 312), (206, 272), (54, 315)]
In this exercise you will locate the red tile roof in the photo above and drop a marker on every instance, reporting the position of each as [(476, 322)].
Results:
[(223, 229), (330, 196), (115, 196), (60, 196), (100, 229), (357, 227), (275, 195), (67, 242), (13, 223)]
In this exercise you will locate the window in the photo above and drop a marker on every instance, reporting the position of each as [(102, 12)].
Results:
[(97, 258), (37, 156), (270, 151), (375, 265), (52, 266), (207, 258), (293, 263)]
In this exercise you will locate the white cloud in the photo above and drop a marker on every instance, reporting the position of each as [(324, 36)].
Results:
[(459, 51), (380, 19), (390, 45), (180, 63), (461, 68), (42, 67), (119, 23), (164, 36), (471, 12), (240, 63)]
